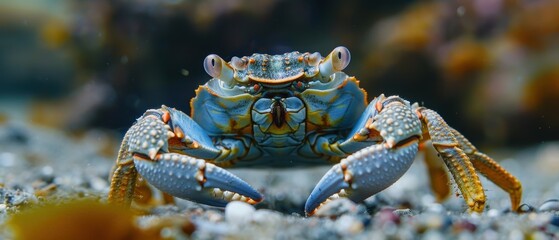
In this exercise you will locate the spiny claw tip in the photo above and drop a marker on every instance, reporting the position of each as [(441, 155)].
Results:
[(391, 142), (170, 134), (152, 153), (166, 117), (178, 132), (253, 201)]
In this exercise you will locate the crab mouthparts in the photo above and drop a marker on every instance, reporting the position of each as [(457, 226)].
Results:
[(278, 113)]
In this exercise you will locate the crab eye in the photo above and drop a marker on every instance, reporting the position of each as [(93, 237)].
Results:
[(217, 68), (336, 61), (340, 58), (213, 65)]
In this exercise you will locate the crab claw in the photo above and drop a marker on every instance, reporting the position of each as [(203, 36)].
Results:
[(195, 179), (149, 136), (363, 174)]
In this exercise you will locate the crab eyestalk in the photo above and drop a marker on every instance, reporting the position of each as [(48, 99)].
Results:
[(240, 65), (217, 68), (335, 62)]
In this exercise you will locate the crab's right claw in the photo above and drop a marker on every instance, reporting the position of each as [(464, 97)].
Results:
[(362, 174), (194, 179)]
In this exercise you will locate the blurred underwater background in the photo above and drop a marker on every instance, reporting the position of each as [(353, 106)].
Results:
[(489, 67)]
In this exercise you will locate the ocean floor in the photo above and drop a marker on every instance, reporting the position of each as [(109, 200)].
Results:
[(49, 168)]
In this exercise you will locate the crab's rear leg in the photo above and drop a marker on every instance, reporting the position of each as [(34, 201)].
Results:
[(492, 170), (457, 162), (437, 172), (170, 151)]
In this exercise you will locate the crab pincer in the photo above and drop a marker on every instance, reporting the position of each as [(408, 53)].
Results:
[(194, 179), (374, 168), (156, 147)]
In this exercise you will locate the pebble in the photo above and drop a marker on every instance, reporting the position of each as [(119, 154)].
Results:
[(214, 216), (431, 221), (98, 183), (387, 216), (516, 234), (550, 205), (493, 213), (47, 174), (525, 208), (348, 225), (267, 216), (435, 208), (239, 212), (403, 212), (336, 208), (464, 225), (15, 198)]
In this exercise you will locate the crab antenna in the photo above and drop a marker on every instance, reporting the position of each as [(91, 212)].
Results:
[(216, 67), (335, 62)]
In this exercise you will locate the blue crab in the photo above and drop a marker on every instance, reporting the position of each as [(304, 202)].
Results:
[(295, 109)]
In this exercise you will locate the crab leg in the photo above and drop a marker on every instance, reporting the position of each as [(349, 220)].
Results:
[(454, 158), (492, 170), (438, 177), (169, 150), (123, 180), (373, 168)]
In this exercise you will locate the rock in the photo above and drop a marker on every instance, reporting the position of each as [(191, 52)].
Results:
[(16, 197), (387, 216), (336, 208), (525, 208), (428, 221), (46, 174), (464, 225), (403, 212), (348, 225), (435, 208), (550, 205), (493, 213), (239, 212)]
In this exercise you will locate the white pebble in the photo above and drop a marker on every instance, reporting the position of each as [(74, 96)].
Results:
[(239, 212), (549, 206), (348, 225)]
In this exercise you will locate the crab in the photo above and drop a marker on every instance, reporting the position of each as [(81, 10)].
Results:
[(293, 110)]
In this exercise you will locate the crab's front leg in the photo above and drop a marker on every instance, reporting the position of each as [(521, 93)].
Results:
[(169, 150), (392, 132)]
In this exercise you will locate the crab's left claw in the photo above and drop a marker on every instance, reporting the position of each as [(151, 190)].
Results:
[(195, 179), (362, 174), (373, 168)]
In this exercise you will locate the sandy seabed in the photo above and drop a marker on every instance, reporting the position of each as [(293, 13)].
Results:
[(39, 165)]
